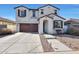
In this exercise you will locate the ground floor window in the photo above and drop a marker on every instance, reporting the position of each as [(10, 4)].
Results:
[(58, 24), (3, 26)]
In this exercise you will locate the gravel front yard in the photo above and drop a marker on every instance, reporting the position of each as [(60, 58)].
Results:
[(70, 41)]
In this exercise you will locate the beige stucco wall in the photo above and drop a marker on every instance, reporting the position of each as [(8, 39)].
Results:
[(10, 25), (47, 10), (50, 25), (29, 19), (50, 29)]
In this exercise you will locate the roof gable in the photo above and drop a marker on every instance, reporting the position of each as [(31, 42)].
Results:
[(59, 16), (45, 16), (48, 5), (37, 8), (21, 6), (51, 16)]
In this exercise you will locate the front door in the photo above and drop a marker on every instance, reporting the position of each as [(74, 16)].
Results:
[(45, 26)]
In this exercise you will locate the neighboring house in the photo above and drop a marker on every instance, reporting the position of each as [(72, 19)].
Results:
[(44, 19), (9, 24), (72, 23)]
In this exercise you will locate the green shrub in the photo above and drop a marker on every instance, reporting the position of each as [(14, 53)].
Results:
[(73, 31)]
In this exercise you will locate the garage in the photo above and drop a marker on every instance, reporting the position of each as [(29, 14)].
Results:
[(28, 27)]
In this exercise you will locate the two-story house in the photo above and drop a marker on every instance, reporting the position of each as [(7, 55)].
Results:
[(44, 19)]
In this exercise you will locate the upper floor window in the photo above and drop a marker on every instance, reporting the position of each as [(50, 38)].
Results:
[(55, 11), (33, 13), (18, 12), (22, 13), (58, 24), (42, 11)]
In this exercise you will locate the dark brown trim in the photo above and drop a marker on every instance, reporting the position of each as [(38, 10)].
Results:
[(59, 16), (21, 6), (26, 7), (51, 17), (18, 12), (55, 26), (49, 5), (44, 16), (37, 8), (33, 9)]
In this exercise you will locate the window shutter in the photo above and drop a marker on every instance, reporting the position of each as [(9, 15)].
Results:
[(42, 12), (24, 12), (21, 13), (18, 12), (61, 24), (55, 11), (33, 13)]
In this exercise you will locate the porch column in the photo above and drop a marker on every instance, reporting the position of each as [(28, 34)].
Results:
[(40, 27), (17, 27), (50, 26)]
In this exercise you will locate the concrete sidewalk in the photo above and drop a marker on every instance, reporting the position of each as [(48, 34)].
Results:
[(56, 45), (63, 52)]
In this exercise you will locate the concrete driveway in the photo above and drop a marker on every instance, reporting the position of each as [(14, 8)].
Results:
[(21, 43)]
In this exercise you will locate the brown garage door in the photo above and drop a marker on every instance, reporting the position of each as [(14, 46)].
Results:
[(28, 27)]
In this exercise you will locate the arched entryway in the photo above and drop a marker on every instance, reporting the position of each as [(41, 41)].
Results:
[(45, 26)]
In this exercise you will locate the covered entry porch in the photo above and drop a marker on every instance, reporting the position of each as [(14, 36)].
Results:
[(45, 25)]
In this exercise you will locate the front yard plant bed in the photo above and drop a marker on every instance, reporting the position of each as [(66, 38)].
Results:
[(70, 40), (73, 31)]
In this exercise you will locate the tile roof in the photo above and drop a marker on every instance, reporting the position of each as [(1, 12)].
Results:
[(72, 20), (7, 20)]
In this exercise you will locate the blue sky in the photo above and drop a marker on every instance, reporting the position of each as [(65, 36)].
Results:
[(66, 10)]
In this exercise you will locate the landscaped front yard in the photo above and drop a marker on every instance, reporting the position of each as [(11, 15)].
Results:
[(70, 40)]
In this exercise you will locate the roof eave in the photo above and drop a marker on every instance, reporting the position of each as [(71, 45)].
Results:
[(21, 6), (49, 5), (44, 16)]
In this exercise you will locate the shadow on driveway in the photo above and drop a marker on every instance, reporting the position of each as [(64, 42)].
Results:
[(3, 35)]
